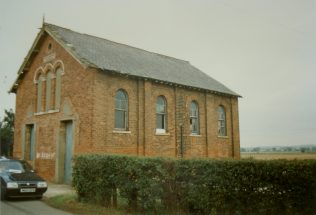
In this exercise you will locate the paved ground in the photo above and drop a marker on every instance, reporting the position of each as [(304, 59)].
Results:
[(35, 207), (28, 207)]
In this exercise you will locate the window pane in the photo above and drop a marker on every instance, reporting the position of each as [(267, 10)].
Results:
[(193, 109), (121, 100), (222, 131), (160, 108), (119, 119), (221, 121), (49, 91), (160, 105), (120, 95), (121, 109), (221, 116), (39, 95), (221, 113), (219, 127), (194, 118), (120, 104), (58, 89), (160, 100), (195, 125), (160, 121)]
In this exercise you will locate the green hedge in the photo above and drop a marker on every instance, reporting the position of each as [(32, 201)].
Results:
[(198, 186)]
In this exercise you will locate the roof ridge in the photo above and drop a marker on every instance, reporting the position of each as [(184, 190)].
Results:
[(122, 44)]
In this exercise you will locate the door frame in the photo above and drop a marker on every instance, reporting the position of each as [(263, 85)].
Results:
[(27, 145), (61, 149)]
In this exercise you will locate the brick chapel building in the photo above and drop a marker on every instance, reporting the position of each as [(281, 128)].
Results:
[(77, 93)]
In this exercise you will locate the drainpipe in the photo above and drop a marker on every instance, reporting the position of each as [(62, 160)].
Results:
[(181, 141), (0, 137)]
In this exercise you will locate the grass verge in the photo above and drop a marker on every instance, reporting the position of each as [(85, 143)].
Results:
[(70, 203)]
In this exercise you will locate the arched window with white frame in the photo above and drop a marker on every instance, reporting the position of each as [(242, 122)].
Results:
[(194, 118), (50, 91), (161, 115), (222, 130), (57, 83), (40, 103), (121, 110)]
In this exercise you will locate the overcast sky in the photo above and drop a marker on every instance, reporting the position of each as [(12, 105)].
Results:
[(264, 50)]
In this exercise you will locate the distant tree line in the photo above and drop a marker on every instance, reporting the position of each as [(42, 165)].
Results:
[(7, 133), (303, 149)]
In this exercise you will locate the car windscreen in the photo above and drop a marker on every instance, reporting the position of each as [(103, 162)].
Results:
[(15, 166)]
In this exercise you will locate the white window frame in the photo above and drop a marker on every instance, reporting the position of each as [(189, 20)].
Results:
[(125, 128), (164, 114), (221, 123), (196, 117)]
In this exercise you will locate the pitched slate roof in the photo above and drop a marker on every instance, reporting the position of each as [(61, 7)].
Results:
[(106, 55)]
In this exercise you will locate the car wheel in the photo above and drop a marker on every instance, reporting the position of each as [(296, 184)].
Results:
[(3, 194)]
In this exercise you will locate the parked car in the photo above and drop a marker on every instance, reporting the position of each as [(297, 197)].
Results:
[(18, 179)]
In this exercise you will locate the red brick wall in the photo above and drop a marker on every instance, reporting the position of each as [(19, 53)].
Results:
[(141, 137), (76, 105), (87, 98)]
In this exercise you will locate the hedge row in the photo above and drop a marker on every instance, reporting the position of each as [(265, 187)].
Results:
[(198, 186)]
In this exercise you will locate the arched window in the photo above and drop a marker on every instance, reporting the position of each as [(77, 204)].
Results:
[(194, 118), (161, 115), (49, 91), (221, 121), (48, 87), (57, 84), (121, 110), (40, 93)]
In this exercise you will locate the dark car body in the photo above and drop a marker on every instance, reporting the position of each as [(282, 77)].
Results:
[(18, 179)]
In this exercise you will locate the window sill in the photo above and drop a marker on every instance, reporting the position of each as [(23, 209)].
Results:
[(224, 137), (161, 131), (47, 112), (162, 134), (195, 135), (121, 132)]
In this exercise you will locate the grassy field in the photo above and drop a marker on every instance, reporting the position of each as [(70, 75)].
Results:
[(278, 155)]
